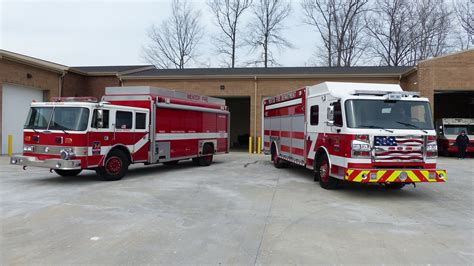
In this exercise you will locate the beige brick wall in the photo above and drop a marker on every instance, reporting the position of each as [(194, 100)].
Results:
[(446, 73), (16, 73)]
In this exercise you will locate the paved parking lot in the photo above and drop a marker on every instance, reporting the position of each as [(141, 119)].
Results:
[(240, 210)]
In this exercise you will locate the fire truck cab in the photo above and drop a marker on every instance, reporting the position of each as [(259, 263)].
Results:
[(448, 129), (130, 125), (357, 132)]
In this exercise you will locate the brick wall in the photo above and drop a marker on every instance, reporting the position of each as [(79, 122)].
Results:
[(74, 85), (16, 73), (95, 86), (246, 87), (447, 73)]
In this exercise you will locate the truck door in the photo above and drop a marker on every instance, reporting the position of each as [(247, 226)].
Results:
[(141, 136), (100, 137), (336, 141), (315, 114)]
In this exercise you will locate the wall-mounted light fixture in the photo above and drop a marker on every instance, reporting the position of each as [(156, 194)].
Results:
[(28, 75)]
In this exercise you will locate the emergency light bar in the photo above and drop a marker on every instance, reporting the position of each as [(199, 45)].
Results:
[(74, 99), (390, 95)]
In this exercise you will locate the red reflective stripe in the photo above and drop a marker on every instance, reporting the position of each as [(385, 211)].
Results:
[(285, 148), (420, 175), (297, 151), (285, 134), (353, 175), (298, 135), (386, 175), (266, 132)]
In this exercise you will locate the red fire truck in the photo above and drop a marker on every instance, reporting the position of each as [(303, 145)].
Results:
[(448, 129), (130, 125), (357, 132)]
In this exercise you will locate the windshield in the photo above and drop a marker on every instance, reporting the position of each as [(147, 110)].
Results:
[(456, 129), (388, 114), (63, 118)]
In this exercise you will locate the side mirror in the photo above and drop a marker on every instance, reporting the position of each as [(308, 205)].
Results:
[(100, 118), (330, 116)]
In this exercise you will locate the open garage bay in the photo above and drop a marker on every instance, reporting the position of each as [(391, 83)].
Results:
[(240, 210)]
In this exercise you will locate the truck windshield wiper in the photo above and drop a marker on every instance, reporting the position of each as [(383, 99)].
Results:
[(371, 126), (411, 125)]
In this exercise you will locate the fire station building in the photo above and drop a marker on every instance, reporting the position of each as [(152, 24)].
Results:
[(447, 81)]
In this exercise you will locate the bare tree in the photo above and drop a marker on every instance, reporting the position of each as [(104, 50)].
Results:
[(173, 43), (431, 29), (392, 28), (266, 28), (227, 14), (465, 16), (340, 23)]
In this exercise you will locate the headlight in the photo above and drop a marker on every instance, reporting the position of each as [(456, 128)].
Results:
[(431, 147), (360, 149), (29, 148), (360, 146)]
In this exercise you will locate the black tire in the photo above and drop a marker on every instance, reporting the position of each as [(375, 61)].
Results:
[(322, 173), (395, 186), (115, 166), (277, 162), (207, 155), (315, 173), (171, 162), (67, 172)]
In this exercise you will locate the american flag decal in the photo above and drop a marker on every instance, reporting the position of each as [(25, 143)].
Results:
[(398, 148), (385, 141)]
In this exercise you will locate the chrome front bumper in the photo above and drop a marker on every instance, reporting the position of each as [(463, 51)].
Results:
[(49, 163)]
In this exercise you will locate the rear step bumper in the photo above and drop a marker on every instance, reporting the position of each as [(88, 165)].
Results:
[(394, 175), (49, 163)]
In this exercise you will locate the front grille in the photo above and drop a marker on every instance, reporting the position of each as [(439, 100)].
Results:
[(398, 149)]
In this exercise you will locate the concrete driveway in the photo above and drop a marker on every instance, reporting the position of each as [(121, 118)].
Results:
[(240, 210)]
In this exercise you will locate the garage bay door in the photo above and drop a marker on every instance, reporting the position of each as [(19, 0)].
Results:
[(16, 101)]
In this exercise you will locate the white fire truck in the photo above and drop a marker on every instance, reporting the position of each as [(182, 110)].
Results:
[(448, 129), (130, 125), (357, 132)]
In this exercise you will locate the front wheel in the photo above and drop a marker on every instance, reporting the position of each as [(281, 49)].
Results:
[(115, 166), (67, 172), (322, 172)]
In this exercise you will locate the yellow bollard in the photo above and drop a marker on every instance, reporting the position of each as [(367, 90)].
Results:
[(259, 145), (250, 145), (10, 145)]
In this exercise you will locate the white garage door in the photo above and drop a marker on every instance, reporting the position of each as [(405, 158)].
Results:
[(15, 105)]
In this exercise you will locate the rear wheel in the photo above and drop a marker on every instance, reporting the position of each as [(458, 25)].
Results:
[(115, 166), (322, 172), (207, 157), (277, 162), (67, 172)]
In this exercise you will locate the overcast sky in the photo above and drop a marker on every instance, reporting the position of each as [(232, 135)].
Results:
[(76, 33)]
